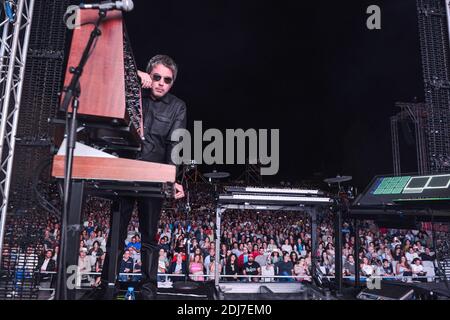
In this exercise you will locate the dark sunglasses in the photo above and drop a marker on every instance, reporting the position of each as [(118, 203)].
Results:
[(157, 77)]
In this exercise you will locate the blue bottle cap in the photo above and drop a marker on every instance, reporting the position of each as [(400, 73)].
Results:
[(130, 289)]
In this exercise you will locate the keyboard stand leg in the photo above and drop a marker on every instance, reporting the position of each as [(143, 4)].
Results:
[(73, 238), (313, 217), (114, 249)]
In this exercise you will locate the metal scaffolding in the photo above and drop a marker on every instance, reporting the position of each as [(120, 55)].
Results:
[(433, 18), (15, 30), (415, 113), (252, 173)]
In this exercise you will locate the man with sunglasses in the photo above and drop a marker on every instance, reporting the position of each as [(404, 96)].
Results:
[(163, 113)]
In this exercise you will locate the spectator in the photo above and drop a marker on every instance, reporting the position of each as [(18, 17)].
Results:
[(407, 245), (301, 270), (198, 251), (163, 264), (284, 268), (427, 255), (137, 268), (349, 266), (261, 258), (46, 263), (231, 267), (91, 240), (403, 267), (419, 248), (255, 250), (90, 228), (397, 253), (180, 244), (84, 266), (366, 269), (396, 243), (252, 268), (272, 246), (286, 247), (48, 241), (243, 258), (275, 257), (299, 247), (196, 268), (163, 244), (201, 236), (417, 268), (224, 252), (126, 266), (134, 246), (212, 267), (387, 268), (325, 262), (294, 257), (387, 255), (236, 250), (96, 254), (267, 271), (411, 255), (208, 259), (308, 259), (205, 244), (178, 267), (56, 254), (84, 235), (101, 240)]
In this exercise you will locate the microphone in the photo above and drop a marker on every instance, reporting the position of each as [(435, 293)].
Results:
[(124, 5)]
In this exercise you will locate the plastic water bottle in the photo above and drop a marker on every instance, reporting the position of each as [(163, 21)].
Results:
[(130, 294)]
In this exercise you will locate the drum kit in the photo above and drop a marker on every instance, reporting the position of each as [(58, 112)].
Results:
[(216, 175), (339, 180)]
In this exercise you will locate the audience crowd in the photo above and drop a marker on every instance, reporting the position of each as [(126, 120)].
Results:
[(255, 245)]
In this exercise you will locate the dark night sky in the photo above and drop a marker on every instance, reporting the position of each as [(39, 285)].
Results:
[(311, 69)]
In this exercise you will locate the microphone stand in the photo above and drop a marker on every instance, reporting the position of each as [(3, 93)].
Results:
[(72, 94)]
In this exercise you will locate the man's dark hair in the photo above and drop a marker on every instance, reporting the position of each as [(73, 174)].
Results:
[(166, 61)]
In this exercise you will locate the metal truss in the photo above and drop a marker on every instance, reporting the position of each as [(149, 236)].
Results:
[(417, 114), (434, 18), (15, 30), (252, 174)]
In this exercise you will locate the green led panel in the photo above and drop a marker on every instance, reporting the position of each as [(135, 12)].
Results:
[(391, 185)]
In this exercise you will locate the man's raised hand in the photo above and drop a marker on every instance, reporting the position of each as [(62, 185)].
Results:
[(179, 191), (146, 80)]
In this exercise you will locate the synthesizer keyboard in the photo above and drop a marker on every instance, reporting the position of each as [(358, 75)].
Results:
[(273, 196)]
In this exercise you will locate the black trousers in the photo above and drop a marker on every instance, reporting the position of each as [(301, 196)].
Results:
[(149, 212)]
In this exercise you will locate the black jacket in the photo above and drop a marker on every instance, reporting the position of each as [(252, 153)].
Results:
[(161, 118), (51, 266)]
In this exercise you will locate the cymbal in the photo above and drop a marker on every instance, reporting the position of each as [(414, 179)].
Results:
[(216, 175), (338, 179)]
